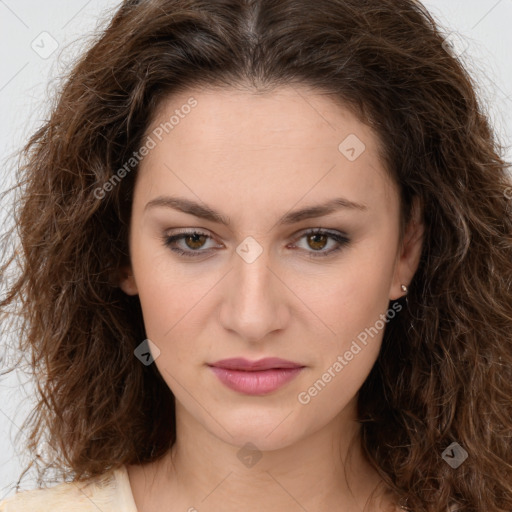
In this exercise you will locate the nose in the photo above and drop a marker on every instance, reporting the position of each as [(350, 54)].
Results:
[(254, 303)]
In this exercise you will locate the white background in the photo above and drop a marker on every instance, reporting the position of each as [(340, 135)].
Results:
[(27, 79)]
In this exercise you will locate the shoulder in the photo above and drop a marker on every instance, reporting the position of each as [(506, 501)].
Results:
[(109, 492)]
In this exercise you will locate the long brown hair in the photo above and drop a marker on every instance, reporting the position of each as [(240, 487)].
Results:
[(444, 373)]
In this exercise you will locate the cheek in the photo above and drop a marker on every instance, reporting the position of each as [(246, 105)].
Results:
[(352, 308), (350, 295), (166, 297), (170, 303), (170, 311)]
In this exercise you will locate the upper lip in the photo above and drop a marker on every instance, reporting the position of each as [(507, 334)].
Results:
[(267, 363)]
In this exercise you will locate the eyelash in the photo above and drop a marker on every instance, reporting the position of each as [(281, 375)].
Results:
[(339, 238)]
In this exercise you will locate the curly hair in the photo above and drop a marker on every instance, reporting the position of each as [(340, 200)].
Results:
[(444, 372)]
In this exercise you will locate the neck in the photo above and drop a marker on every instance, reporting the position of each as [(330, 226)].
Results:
[(324, 470)]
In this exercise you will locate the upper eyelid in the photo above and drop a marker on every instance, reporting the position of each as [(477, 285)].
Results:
[(207, 232)]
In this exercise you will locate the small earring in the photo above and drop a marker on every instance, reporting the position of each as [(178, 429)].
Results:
[(405, 290)]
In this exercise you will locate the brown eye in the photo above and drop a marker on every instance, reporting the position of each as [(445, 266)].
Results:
[(317, 241), (195, 241), (188, 243)]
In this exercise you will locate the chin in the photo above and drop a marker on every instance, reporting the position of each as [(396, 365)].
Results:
[(265, 430), (261, 440)]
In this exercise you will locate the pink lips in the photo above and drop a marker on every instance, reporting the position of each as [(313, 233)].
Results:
[(255, 377)]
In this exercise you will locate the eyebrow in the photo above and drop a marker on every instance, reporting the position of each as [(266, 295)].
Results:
[(205, 212)]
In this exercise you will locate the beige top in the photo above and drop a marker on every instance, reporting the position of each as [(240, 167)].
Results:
[(110, 492)]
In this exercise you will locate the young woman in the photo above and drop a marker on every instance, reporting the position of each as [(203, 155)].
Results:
[(266, 264)]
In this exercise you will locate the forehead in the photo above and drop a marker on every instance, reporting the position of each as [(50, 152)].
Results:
[(283, 144), (291, 114)]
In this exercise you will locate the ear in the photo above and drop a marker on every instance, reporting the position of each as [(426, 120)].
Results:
[(410, 251), (127, 280)]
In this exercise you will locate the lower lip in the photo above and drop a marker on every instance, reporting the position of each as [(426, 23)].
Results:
[(255, 383)]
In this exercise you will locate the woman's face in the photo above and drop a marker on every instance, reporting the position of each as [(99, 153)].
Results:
[(253, 175)]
